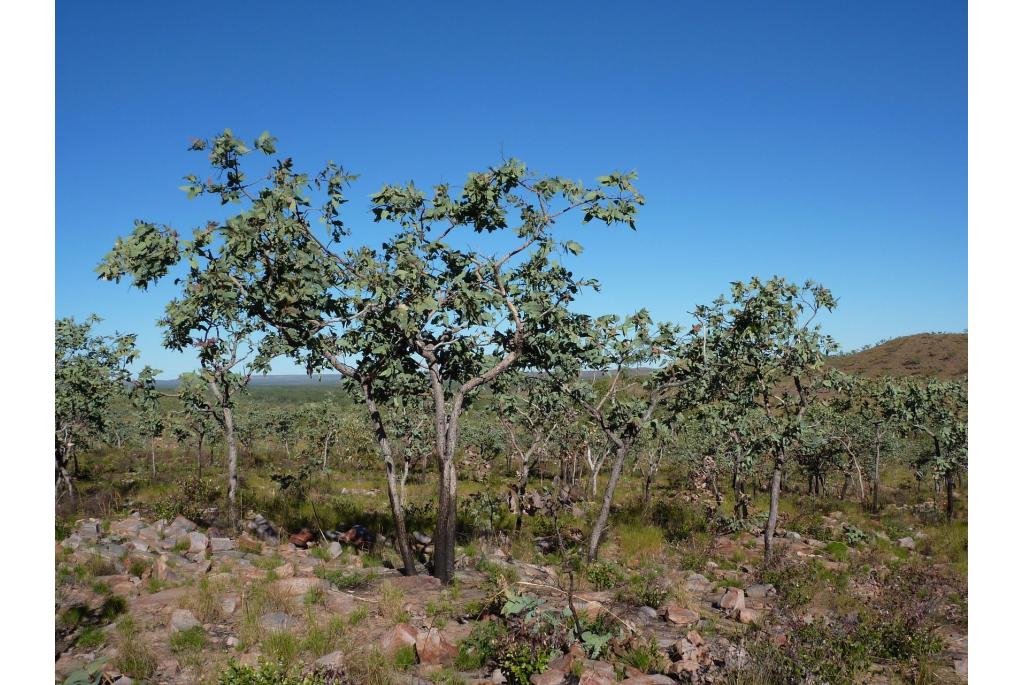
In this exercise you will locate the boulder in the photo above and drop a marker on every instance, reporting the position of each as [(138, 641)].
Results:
[(296, 586), (906, 543), (222, 544), (590, 676), (228, 605), (433, 649), (732, 599), (402, 635), (335, 549), (415, 584), (276, 621), (334, 661), (552, 676), (680, 616), (197, 542), (183, 619), (760, 591), (649, 679), (747, 616)]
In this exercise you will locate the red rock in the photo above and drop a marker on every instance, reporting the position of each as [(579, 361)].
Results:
[(652, 679), (747, 616), (552, 676), (732, 599), (302, 538), (433, 649), (591, 677), (402, 635), (417, 583), (680, 616)]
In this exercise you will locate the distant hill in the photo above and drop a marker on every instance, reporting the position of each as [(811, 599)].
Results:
[(924, 355), (296, 379)]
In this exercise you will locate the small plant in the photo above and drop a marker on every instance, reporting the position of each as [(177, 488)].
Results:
[(604, 575), (191, 640), (134, 657), (405, 657), (181, 546), (264, 674), (137, 567), (358, 615), (315, 596), (481, 646), (203, 602), (639, 542), (112, 607), (853, 535), (281, 646), (522, 661), (644, 589), (345, 580), (101, 588), (838, 550), (392, 604), (644, 656), (90, 638), (91, 674)]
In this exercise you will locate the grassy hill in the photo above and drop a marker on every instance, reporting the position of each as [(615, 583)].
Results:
[(939, 355)]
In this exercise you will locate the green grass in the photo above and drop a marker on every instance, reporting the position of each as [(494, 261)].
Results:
[(191, 640), (639, 543), (134, 657), (281, 646), (90, 638)]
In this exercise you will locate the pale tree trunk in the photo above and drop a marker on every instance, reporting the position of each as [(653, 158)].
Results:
[(396, 496), (152, 456), (232, 444), (773, 512), (606, 502)]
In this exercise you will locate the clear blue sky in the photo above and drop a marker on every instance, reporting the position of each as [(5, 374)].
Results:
[(823, 140)]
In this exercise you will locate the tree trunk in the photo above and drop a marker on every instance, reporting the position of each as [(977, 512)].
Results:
[(152, 456), (773, 512), (847, 478), (444, 535), (949, 496), (232, 444), (606, 502), (524, 477), (396, 497), (876, 478)]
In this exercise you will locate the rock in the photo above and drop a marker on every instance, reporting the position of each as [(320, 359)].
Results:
[(732, 599), (296, 586), (648, 612), (649, 679), (760, 591), (497, 677), (124, 680), (277, 620), (183, 619), (433, 649), (228, 605), (565, 661), (906, 543), (332, 662), (747, 616), (960, 666), (680, 616), (792, 535), (592, 677), (335, 549), (88, 529), (222, 544), (402, 635), (415, 584), (182, 523), (197, 542), (284, 571), (552, 676), (684, 666)]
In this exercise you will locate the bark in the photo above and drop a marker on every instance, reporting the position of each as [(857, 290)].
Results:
[(876, 478), (396, 496), (606, 503), (847, 478), (152, 456), (232, 444), (773, 512), (524, 477), (949, 496)]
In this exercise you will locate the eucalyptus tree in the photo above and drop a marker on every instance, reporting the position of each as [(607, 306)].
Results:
[(194, 422), (419, 307), (938, 409), (90, 372), (768, 354), (530, 411), (646, 368), (146, 405)]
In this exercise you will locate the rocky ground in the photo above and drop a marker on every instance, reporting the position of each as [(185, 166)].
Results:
[(193, 599)]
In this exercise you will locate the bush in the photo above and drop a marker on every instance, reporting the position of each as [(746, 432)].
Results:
[(522, 661), (264, 674), (644, 589), (604, 575), (482, 645)]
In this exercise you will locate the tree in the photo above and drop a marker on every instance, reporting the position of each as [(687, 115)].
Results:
[(530, 411), (420, 307), (90, 372), (767, 353), (938, 409), (622, 350), (146, 404)]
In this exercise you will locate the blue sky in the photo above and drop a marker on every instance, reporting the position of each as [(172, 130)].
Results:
[(820, 140)]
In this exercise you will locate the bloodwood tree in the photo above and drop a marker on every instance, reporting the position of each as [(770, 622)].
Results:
[(424, 305)]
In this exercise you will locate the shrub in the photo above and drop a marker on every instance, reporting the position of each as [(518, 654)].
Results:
[(112, 607), (345, 580), (644, 589), (264, 674), (481, 646), (134, 657), (91, 637), (604, 575), (521, 661)]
